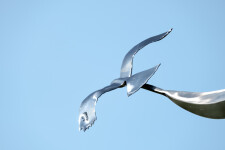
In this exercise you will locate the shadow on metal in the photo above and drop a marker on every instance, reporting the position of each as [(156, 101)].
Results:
[(206, 104)]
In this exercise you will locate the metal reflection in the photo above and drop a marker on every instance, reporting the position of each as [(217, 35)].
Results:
[(87, 114), (206, 104), (126, 68)]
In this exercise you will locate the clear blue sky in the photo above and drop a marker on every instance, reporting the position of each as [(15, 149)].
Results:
[(54, 53)]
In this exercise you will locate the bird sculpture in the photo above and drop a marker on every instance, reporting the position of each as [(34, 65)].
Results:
[(206, 104)]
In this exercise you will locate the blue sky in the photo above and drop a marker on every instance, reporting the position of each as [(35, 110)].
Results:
[(55, 53)]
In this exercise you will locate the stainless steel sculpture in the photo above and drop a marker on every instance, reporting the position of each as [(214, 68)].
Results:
[(207, 104)]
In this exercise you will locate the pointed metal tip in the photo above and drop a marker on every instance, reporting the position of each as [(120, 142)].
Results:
[(129, 93), (168, 32), (157, 66)]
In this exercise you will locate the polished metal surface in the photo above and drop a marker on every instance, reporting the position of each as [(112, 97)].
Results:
[(87, 114), (135, 82), (206, 104), (126, 68), (87, 109)]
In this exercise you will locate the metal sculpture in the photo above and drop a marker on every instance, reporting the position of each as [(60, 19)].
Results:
[(206, 104)]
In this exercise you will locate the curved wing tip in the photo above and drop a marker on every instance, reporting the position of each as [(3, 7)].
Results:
[(158, 65), (168, 32)]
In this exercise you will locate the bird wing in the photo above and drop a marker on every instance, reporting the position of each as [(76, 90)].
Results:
[(135, 82), (126, 68), (87, 114)]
